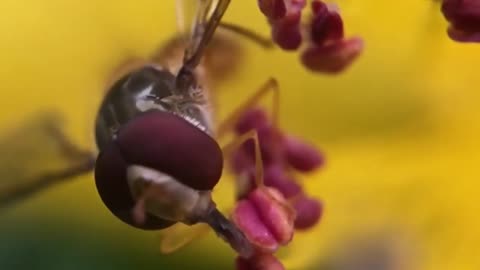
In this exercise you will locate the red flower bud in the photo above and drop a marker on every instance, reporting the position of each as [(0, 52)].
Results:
[(286, 32), (309, 211), (464, 18), (333, 57), (273, 9), (302, 156), (276, 177), (326, 24)]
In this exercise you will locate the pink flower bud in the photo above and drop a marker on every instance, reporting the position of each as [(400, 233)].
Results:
[(302, 156), (247, 218), (333, 57), (276, 177), (259, 262), (277, 215), (309, 211), (464, 17), (265, 218)]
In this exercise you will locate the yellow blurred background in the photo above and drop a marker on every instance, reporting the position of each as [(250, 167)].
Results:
[(400, 129)]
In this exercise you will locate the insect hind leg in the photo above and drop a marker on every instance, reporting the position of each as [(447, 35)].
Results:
[(18, 193), (30, 157)]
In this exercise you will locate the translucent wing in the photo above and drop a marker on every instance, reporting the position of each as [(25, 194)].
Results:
[(199, 29), (180, 235), (206, 18), (37, 155), (192, 16)]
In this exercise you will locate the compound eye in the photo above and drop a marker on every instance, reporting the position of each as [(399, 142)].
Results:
[(169, 144), (112, 186)]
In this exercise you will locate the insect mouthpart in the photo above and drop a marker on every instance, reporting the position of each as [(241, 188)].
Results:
[(165, 197), (162, 196)]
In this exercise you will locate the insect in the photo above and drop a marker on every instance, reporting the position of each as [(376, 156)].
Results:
[(159, 157)]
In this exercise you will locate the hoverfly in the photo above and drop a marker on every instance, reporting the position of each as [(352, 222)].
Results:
[(159, 156)]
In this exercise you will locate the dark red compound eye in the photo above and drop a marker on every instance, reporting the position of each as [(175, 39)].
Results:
[(163, 142)]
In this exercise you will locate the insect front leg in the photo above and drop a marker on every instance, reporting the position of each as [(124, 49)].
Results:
[(271, 85), (238, 142)]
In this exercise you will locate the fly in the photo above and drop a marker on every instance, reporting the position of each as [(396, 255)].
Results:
[(159, 158)]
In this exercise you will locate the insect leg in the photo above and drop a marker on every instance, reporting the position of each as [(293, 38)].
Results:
[(237, 142), (67, 147), (27, 177), (262, 41), (271, 85), (180, 235), (17, 193)]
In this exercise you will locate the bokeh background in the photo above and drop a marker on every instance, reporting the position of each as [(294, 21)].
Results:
[(400, 129)]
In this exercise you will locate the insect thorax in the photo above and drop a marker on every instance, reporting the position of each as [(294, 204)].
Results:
[(149, 88)]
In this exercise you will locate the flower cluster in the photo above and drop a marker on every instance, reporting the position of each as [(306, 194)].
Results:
[(268, 212), (326, 48), (464, 18)]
